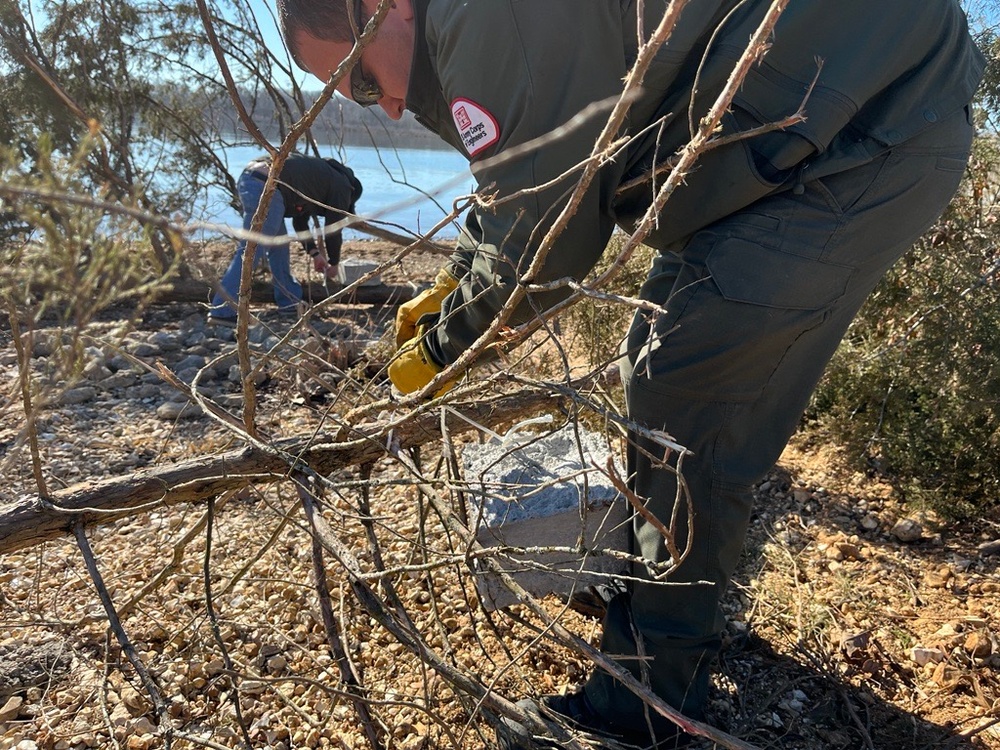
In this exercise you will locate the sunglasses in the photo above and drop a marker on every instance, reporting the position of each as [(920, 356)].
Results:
[(364, 90)]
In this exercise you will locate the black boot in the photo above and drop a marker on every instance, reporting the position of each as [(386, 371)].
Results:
[(574, 709)]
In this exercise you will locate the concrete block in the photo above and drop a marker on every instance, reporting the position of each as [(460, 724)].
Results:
[(532, 490), (352, 269)]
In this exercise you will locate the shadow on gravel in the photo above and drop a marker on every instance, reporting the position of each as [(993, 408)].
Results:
[(824, 617), (776, 701)]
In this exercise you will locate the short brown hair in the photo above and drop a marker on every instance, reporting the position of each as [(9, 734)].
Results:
[(329, 20)]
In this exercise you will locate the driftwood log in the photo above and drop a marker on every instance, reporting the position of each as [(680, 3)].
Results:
[(32, 519)]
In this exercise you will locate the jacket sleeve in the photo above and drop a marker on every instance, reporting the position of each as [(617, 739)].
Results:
[(300, 223), (338, 202), (494, 62)]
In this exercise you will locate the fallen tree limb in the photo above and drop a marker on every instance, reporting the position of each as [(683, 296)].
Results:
[(32, 519)]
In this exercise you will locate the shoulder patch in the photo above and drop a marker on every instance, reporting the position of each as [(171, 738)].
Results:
[(477, 127)]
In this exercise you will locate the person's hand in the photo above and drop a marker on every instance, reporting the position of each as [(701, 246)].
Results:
[(413, 367), (428, 301), (320, 264), (333, 271)]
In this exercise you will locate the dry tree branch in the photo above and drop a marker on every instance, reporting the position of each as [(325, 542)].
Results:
[(163, 719), (667, 532), (277, 162), (708, 124), (220, 58), (413, 640), (678, 166), (33, 519), (348, 676)]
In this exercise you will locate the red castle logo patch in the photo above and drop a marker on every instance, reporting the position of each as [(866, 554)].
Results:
[(477, 127)]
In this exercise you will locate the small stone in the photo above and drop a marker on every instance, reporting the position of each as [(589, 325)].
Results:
[(79, 395), (188, 374), (143, 350), (801, 495), (277, 664), (946, 676), (989, 548), (143, 725), (11, 708), (96, 371), (166, 342), (848, 551), (134, 699), (907, 530), (869, 522), (855, 647), (923, 656), (938, 579), (190, 361), (214, 667), (177, 410), (120, 715), (120, 362), (978, 645)]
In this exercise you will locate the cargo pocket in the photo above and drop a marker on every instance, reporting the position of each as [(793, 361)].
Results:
[(745, 271)]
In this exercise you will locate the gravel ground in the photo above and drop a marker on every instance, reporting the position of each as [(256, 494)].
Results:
[(852, 623)]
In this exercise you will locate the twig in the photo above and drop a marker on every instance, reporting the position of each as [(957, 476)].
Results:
[(24, 378), (214, 622), (162, 717), (347, 675)]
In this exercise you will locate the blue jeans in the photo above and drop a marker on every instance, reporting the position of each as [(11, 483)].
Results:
[(287, 291)]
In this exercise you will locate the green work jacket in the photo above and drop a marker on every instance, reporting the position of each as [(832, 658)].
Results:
[(509, 83)]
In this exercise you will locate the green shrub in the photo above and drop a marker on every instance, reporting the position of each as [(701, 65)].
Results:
[(914, 388)]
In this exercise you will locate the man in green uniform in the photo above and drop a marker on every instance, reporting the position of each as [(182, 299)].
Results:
[(765, 254)]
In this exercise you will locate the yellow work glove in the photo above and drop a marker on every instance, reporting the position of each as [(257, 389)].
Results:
[(413, 367), (428, 301)]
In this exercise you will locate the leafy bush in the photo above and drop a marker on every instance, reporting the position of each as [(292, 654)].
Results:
[(70, 257), (914, 388)]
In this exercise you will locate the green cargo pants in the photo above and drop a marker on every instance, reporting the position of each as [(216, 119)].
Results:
[(754, 306)]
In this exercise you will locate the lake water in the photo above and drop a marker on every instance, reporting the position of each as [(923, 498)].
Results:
[(410, 189)]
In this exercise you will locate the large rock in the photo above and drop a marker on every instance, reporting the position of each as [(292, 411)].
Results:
[(532, 491)]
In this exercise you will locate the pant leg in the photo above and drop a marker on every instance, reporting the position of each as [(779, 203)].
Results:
[(754, 307), (287, 291), (250, 188)]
